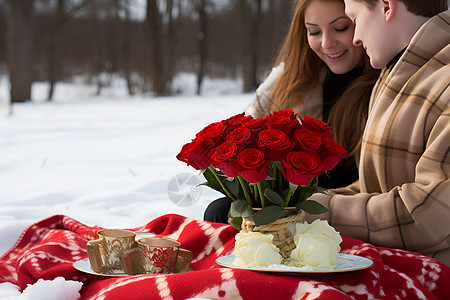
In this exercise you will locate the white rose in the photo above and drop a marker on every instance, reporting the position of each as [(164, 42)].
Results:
[(255, 249), (318, 227), (316, 251)]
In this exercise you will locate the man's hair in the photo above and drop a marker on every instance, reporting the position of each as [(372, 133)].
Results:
[(426, 8)]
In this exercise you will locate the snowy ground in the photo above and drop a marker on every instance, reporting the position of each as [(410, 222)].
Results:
[(105, 160)]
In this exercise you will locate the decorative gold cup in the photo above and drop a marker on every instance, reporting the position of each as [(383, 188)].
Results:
[(156, 255), (105, 253)]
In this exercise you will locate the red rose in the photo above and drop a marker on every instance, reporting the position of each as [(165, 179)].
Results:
[(300, 167), (234, 122), (307, 140), (254, 166), (237, 119), (283, 120), (213, 131), (286, 113), (240, 136), (224, 158), (196, 153), (331, 153), (318, 126), (275, 142), (255, 124)]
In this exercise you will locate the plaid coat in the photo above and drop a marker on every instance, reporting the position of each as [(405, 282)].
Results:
[(402, 198)]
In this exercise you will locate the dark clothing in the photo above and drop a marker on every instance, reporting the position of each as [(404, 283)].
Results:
[(396, 58), (334, 86), (342, 175), (346, 171), (217, 211)]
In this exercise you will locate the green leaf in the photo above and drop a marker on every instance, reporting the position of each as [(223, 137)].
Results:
[(214, 187), (293, 186), (240, 208), (312, 207), (278, 164), (233, 186), (273, 197), (302, 194), (264, 184), (212, 181), (236, 223), (268, 214)]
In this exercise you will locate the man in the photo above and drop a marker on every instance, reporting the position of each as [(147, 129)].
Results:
[(402, 198)]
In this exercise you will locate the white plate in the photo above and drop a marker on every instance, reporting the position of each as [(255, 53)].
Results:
[(141, 235), (345, 263), (84, 265)]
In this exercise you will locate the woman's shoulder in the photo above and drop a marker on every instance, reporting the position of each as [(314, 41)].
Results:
[(266, 87)]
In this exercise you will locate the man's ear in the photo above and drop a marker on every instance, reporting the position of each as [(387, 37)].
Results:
[(388, 9)]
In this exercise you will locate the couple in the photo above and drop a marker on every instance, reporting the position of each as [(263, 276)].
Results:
[(395, 124)]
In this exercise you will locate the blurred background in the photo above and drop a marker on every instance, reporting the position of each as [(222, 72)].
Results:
[(145, 42)]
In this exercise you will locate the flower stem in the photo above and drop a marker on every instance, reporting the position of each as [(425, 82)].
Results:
[(255, 193), (274, 176), (288, 197), (280, 181), (245, 189), (261, 194), (225, 189)]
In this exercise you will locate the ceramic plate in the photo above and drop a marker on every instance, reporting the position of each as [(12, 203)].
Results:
[(141, 235), (83, 265), (345, 263)]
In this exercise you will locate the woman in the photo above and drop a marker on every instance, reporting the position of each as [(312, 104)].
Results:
[(320, 73)]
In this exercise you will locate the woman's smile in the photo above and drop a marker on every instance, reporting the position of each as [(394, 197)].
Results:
[(336, 56)]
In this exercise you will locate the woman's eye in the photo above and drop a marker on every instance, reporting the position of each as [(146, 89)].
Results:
[(342, 29), (314, 33)]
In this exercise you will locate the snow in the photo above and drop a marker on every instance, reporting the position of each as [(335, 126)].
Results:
[(107, 160)]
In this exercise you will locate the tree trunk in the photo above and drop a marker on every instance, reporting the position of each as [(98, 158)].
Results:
[(171, 29), (124, 42), (254, 37), (20, 48), (246, 61), (155, 31), (54, 68), (202, 52)]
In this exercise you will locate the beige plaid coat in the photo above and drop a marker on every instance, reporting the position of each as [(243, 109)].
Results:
[(402, 198)]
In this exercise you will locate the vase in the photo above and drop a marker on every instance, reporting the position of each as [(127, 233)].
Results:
[(283, 231)]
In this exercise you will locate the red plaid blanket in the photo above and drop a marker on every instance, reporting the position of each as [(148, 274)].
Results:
[(47, 249)]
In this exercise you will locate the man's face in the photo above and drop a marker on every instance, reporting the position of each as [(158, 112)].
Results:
[(372, 31)]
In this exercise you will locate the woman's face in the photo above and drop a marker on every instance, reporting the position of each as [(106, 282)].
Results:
[(330, 36)]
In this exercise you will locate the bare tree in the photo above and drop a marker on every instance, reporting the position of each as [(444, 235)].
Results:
[(54, 64), (162, 26), (200, 7), (171, 30), (20, 48), (254, 37), (123, 29), (62, 16), (154, 20), (250, 16), (101, 37)]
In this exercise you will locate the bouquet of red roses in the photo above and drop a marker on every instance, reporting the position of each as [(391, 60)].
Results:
[(269, 163)]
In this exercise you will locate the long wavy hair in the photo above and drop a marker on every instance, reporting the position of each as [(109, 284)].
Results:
[(302, 74)]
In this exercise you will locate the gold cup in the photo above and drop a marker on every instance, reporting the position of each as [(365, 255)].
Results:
[(105, 253), (156, 255)]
